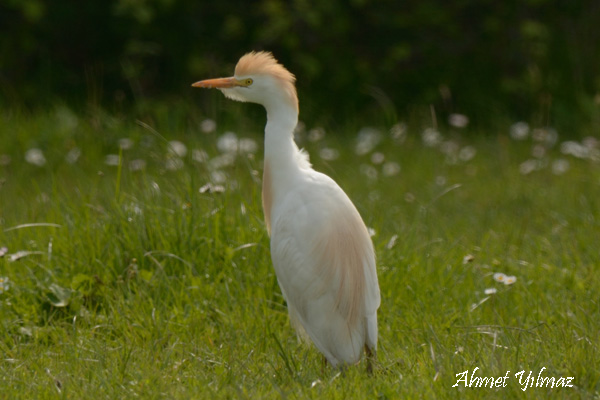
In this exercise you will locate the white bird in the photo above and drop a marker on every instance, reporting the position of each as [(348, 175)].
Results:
[(321, 250)]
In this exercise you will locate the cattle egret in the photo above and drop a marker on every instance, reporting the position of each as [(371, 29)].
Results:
[(320, 247)]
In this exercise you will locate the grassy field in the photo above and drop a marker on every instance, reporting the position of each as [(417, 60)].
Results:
[(135, 262)]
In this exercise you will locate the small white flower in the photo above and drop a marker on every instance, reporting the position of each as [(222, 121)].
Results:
[(440, 180), (547, 136), (218, 176), (377, 158), (538, 151), (431, 137), (369, 171), (329, 154), (210, 188), (227, 143), (111, 159), (560, 166), (458, 120), (224, 160), (125, 143), (585, 150), (489, 291), (503, 278), (208, 125), (467, 153), (390, 168), (316, 134), (366, 141), (199, 156), (509, 280), (73, 155), (247, 145), (449, 147), (573, 148), (137, 165), (371, 231), (529, 166), (178, 148), (35, 157), (398, 132), (519, 131)]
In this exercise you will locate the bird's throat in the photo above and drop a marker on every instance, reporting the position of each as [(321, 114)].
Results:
[(281, 164)]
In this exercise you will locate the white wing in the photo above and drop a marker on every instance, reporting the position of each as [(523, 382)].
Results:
[(325, 264)]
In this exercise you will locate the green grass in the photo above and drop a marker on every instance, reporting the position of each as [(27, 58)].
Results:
[(137, 285)]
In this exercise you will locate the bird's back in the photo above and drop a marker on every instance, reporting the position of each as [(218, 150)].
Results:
[(325, 264)]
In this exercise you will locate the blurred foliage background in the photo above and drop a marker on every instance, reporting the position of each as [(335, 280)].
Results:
[(537, 60)]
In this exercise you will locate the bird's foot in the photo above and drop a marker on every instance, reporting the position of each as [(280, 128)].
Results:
[(371, 359)]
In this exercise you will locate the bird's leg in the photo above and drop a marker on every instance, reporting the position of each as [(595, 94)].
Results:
[(323, 364), (371, 358)]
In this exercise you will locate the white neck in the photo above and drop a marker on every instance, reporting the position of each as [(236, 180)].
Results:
[(281, 151), (282, 157)]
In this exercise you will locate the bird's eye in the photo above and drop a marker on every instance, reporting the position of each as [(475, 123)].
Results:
[(249, 82)]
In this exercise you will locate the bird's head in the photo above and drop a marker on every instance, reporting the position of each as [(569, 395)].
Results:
[(258, 78)]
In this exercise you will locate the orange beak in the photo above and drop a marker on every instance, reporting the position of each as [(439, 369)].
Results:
[(218, 83)]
